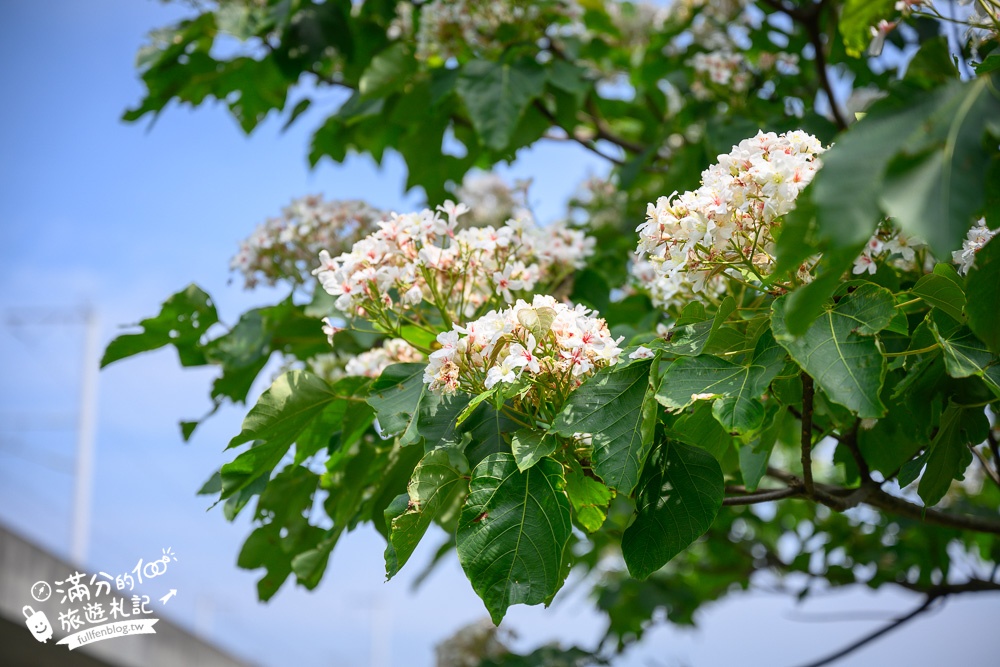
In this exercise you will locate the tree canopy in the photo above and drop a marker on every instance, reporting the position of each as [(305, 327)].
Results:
[(790, 252)]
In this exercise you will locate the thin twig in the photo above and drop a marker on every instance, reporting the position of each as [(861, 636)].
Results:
[(570, 135), (763, 496), (990, 472), (850, 440), (604, 132), (815, 35), (807, 413), (925, 606), (840, 499)]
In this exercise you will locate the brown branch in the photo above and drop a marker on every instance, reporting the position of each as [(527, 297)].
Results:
[(815, 35), (572, 137), (807, 413), (880, 499), (925, 606), (990, 472), (809, 18), (604, 132), (840, 499), (850, 440), (763, 496)]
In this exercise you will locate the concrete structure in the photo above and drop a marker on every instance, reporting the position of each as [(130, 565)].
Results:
[(23, 563)]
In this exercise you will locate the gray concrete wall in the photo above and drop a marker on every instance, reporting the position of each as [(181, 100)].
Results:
[(23, 563)]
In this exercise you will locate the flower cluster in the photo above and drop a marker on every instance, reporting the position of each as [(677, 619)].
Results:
[(372, 362), (978, 236), (721, 68), (890, 245), (545, 349), (333, 366), (285, 248), (420, 257), (454, 28), (490, 200), (727, 224)]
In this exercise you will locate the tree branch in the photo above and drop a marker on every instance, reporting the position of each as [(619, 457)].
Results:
[(815, 35), (884, 501), (840, 499), (572, 137), (763, 496), (925, 606), (807, 413), (990, 472), (850, 440), (604, 132)]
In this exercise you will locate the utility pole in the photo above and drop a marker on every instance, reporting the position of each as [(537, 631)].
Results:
[(85, 439)]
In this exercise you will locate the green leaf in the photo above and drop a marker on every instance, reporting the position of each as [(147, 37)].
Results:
[(617, 408), (941, 292), (488, 429), (984, 295), (838, 351), (678, 499), (437, 417), (964, 354), (806, 303), (991, 63), (856, 19), (735, 389), (396, 396), (437, 482), (530, 446), (183, 320), (691, 339), (949, 451), (512, 532), (588, 497), (700, 428), (496, 95), (935, 186), (282, 412), (388, 71)]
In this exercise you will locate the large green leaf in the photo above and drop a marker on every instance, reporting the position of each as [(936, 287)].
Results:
[(984, 295), (964, 354), (281, 414), (691, 339), (678, 499), (496, 95), (916, 156), (284, 507), (935, 186), (616, 407), (396, 396), (734, 388), (949, 455), (390, 70), (488, 430), (838, 349), (512, 532), (436, 483), (183, 320), (943, 290)]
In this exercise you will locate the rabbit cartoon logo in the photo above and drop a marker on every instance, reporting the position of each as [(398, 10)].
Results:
[(38, 623)]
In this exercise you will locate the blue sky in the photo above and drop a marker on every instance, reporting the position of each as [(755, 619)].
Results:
[(96, 212)]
